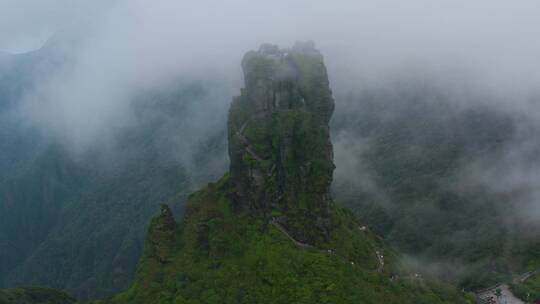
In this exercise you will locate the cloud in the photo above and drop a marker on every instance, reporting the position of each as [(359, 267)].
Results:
[(352, 169), (128, 47), (512, 174), (123, 50), (26, 24)]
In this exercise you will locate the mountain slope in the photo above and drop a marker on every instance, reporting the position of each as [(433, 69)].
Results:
[(269, 232), (77, 222), (33, 295), (415, 179), (217, 255)]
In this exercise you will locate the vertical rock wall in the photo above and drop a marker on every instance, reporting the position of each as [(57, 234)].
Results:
[(279, 139)]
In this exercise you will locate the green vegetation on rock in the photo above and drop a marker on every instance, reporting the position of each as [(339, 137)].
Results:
[(218, 255), (529, 290), (34, 295), (279, 139)]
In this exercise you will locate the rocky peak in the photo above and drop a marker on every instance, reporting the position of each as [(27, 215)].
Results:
[(161, 235), (279, 140)]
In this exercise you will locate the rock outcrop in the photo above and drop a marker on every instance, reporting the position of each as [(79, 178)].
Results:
[(161, 236), (268, 232), (279, 139)]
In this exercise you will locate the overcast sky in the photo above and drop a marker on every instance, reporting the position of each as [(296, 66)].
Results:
[(129, 46)]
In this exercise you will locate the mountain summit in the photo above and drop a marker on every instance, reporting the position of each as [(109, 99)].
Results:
[(268, 232), (279, 139)]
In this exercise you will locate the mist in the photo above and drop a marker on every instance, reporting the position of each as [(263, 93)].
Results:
[(105, 60), (484, 51), (481, 52), (127, 47)]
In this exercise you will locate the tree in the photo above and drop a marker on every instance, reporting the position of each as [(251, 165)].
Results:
[(498, 293)]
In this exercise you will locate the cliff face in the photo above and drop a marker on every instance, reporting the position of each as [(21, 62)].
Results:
[(279, 139)]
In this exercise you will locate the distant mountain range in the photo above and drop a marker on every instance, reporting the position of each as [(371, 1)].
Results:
[(78, 223)]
